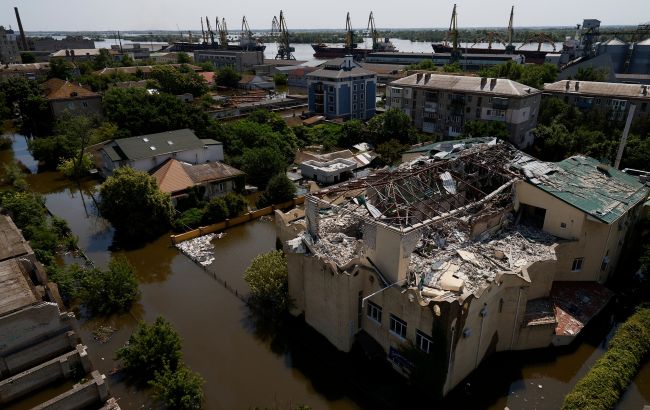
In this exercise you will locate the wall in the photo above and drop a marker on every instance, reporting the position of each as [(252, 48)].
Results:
[(20, 329), (78, 106)]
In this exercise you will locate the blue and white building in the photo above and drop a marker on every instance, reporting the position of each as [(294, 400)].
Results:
[(342, 89)]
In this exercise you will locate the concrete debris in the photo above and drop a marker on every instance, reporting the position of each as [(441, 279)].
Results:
[(337, 247), (200, 249)]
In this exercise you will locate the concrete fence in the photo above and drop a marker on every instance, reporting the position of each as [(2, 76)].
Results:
[(228, 223)]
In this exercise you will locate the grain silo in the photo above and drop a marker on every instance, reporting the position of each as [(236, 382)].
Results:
[(617, 49), (640, 62)]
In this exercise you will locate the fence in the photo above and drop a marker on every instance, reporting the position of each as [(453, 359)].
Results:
[(228, 223)]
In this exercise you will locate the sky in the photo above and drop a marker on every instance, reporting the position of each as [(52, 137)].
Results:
[(100, 15)]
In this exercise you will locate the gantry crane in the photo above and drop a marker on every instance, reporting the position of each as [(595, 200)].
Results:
[(222, 30), (372, 31), (453, 34), (246, 40), (349, 34), (285, 51), (204, 37), (510, 48), (210, 32)]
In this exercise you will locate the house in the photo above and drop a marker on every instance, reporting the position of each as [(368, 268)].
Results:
[(442, 104), (614, 99), (255, 82), (213, 178), (66, 96), (342, 89), (485, 250), (32, 71), (145, 152)]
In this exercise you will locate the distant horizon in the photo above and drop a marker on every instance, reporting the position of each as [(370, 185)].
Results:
[(173, 15)]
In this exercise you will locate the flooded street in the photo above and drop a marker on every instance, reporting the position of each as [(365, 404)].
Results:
[(244, 369)]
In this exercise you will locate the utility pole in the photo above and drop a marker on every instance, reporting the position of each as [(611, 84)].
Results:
[(626, 131)]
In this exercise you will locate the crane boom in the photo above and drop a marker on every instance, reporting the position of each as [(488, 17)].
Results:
[(510, 48), (372, 29), (349, 33), (210, 32), (453, 33), (284, 48), (223, 33)]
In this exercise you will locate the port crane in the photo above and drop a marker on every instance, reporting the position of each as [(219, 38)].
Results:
[(453, 35), (222, 30), (492, 37), (279, 28), (204, 37), (349, 33), (209, 28)]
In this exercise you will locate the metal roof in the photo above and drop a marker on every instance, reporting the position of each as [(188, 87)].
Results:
[(600, 190), (151, 145), (493, 86), (448, 146), (600, 89)]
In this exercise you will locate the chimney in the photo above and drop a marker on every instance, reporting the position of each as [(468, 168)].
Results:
[(493, 83), (577, 87), (348, 62), (427, 77), (418, 78), (483, 82), (23, 39), (567, 85), (644, 90)]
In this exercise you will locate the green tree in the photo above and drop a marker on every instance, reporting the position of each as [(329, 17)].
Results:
[(452, 68), (390, 152), (533, 75), (267, 277), (72, 169), (27, 58), (280, 79), (151, 348), (353, 132), (175, 82), (189, 219), (215, 211), (591, 74), (261, 164), (391, 125), (235, 203), (127, 61), (228, 77), (12, 175), (424, 65), (279, 190), (134, 205), (103, 59), (476, 129), (181, 389), (183, 58), (60, 68), (112, 290)]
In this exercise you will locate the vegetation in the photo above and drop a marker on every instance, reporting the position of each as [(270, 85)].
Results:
[(103, 291), (13, 176), (424, 65), (134, 205), (151, 348), (477, 129), (279, 190), (27, 58), (175, 81), (452, 68), (606, 381), (267, 277), (21, 98), (533, 75), (228, 77), (72, 168), (592, 74), (183, 58), (181, 389), (280, 79), (391, 125), (261, 164), (196, 212), (390, 152), (60, 68)]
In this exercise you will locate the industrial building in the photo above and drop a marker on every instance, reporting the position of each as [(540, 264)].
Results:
[(240, 60), (615, 99), (342, 89), (442, 104), (40, 348), (468, 62), (9, 53), (483, 251)]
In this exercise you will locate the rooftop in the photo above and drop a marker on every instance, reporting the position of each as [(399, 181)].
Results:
[(15, 289), (151, 145), (174, 176), (600, 190), (460, 83), (609, 90), (57, 89), (12, 243)]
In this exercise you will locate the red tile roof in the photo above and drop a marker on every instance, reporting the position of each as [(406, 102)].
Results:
[(57, 89)]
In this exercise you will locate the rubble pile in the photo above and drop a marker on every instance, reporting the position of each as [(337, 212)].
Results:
[(449, 250), (200, 249), (337, 247)]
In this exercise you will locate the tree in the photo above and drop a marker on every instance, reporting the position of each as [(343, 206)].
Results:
[(181, 389), (280, 79), (267, 277), (477, 129), (591, 74), (235, 203), (423, 65), (533, 75), (390, 152), (183, 58), (452, 68), (215, 211), (228, 77), (391, 125), (175, 82), (60, 68), (112, 290), (261, 164), (103, 59), (134, 205), (27, 58), (151, 348), (353, 132), (279, 190)]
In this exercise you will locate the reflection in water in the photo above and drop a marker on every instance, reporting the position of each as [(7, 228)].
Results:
[(247, 363)]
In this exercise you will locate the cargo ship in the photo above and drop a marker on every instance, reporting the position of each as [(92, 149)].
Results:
[(324, 51), (189, 47), (531, 56)]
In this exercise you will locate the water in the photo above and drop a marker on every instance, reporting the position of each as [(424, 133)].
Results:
[(242, 366)]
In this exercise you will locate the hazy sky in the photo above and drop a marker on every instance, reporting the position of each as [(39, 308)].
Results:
[(167, 14)]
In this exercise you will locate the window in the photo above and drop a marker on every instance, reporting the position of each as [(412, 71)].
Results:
[(361, 86), (489, 112), (354, 97), (374, 312), (354, 107), (479, 100), (85, 104), (562, 225), (397, 326), (354, 87), (577, 264), (423, 341), (362, 96), (330, 88), (605, 264), (469, 98), (644, 107), (330, 98)]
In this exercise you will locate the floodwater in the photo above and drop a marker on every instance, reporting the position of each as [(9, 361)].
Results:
[(245, 365)]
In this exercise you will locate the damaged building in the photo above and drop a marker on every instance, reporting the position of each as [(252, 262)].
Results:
[(482, 250)]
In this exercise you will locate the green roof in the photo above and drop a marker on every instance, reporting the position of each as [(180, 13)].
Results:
[(151, 145), (602, 191)]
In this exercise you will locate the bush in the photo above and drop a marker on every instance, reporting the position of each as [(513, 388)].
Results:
[(606, 381), (69, 168), (178, 390), (13, 176), (261, 164), (215, 211), (190, 218), (267, 277), (235, 203), (151, 348), (279, 190), (280, 79), (110, 291)]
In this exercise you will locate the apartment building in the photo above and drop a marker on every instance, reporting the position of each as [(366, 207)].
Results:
[(442, 104), (615, 99), (239, 60), (342, 89), (9, 53)]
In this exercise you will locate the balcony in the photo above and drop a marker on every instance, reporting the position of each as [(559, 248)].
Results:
[(499, 103), (431, 107)]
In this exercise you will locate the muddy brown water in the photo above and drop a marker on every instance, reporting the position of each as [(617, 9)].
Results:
[(243, 370)]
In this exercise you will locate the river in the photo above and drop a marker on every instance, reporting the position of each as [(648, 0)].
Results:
[(243, 365)]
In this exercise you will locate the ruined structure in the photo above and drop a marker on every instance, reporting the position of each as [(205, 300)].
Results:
[(483, 249)]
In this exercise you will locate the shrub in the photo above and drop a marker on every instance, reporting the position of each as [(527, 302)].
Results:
[(280, 79), (235, 203), (70, 169), (112, 290), (151, 348), (215, 211), (279, 190), (602, 386), (178, 390), (190, 218), (267, 277)]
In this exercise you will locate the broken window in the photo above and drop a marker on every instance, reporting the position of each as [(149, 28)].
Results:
[(533, 216), (397, 326), (577, 264), (374, 312), (423, 341)]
